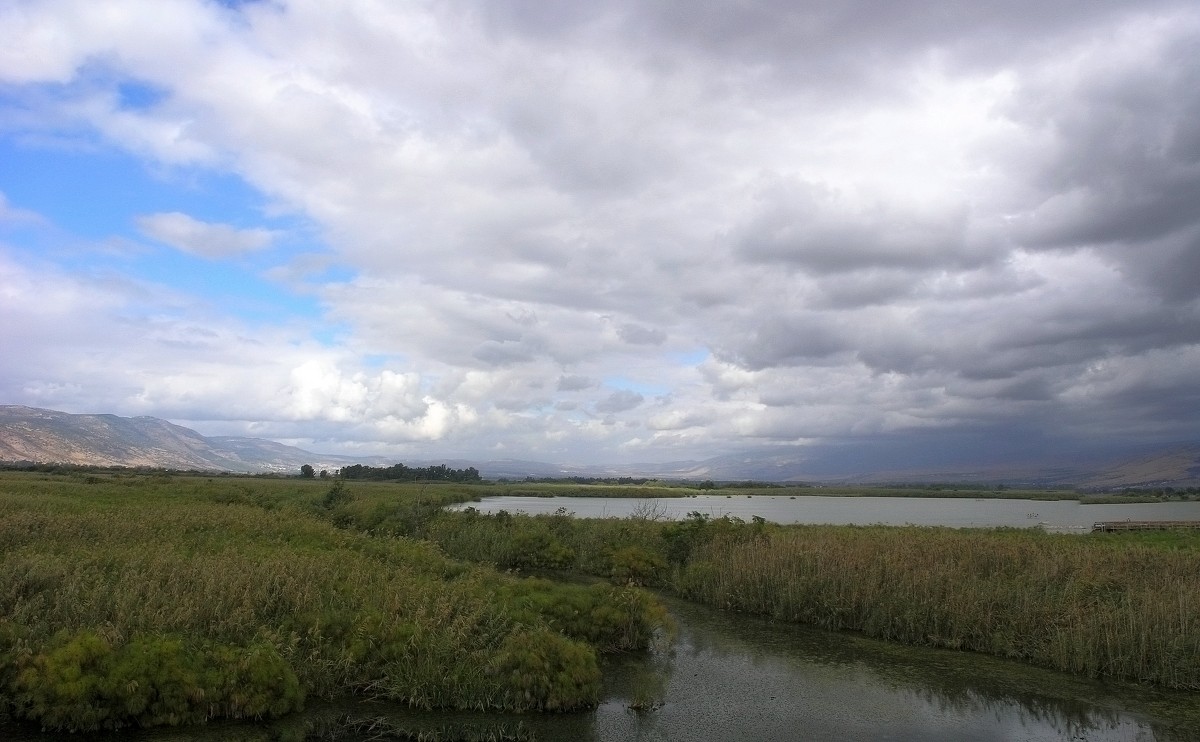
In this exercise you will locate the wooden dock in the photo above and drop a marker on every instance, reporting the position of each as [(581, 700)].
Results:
[(1110, 526)]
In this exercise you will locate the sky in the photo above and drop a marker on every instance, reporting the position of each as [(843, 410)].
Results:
[(605, 232)]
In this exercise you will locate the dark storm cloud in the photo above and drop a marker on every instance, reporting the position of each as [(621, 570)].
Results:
[(1125, 175), (811, 228), (868, 287), (831, 45), (782, 341)]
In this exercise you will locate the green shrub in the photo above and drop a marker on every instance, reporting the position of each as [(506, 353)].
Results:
[(608, 617), (544, 671), (533, 548), (85, 684), (635, 565), (64, 688)]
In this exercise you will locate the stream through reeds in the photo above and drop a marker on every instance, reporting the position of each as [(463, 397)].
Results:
[(733, 677)]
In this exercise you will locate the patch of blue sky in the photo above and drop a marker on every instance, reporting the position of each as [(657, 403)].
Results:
[(333, 274), (92, 197), (140, 96), (331, 334), (646, 389), (244, 294), (691, 357), (99, 194)]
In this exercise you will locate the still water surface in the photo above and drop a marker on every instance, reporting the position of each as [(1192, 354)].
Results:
[(738, 678), (1053, 515)]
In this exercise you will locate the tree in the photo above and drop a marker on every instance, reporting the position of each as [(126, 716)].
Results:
[(307, 471)]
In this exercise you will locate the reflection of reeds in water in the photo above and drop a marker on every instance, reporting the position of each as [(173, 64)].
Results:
[(955, 683), (640, 681), (381, 728), (1072, 604)]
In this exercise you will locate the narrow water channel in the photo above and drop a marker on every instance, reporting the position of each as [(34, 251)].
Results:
[(730, 677), (734, 677)]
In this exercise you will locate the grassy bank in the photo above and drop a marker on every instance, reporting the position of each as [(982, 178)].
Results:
[(144, 600)]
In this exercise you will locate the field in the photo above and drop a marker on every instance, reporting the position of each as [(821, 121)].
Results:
[(143, 599)]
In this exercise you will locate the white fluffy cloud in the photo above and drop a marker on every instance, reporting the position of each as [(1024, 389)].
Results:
[(202, 238)]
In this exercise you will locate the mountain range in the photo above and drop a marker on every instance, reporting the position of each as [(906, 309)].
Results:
[(48, 436)]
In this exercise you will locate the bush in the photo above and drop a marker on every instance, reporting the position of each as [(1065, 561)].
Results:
[(544, 671), (634, 565), (85, 684)]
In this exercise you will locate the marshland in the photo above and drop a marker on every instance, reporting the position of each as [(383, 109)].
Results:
[(133, 600)]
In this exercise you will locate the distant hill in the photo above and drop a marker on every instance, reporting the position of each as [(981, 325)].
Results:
[(48, 436), (32, 434), (1172, 467)]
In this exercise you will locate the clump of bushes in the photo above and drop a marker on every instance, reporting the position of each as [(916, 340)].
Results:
[(541, 670), (608, 617), (84, 683)]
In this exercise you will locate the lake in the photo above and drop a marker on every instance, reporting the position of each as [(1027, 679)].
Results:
[(1053, 515)]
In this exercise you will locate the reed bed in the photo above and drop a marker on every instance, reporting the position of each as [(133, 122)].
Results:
[(167, 602), (1087, 606)]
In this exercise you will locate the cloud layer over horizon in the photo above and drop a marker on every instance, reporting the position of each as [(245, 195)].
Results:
[(618, 231)]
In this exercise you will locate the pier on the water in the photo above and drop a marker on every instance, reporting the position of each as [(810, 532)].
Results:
[(1110, 526)]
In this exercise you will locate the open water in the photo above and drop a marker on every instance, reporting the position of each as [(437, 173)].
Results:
[(958, 512)]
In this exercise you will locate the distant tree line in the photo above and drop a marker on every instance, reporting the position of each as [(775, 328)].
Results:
[(1162, 491), (582, 480), (402, 473)]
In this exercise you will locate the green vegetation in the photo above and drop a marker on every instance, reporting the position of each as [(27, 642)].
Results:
[(402, 473), (137, 598), (142, 600)]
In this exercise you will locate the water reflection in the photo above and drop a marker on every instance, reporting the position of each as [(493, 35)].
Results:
[(729, 677), (740, 678)]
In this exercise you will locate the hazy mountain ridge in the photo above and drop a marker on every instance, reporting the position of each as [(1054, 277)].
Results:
[(32, 434), (49, 436)]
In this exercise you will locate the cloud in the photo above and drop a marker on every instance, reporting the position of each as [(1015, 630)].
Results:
[(637, 335), (205, 239), (574, 383), (934, 216), (12, 215), (621, 400)]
